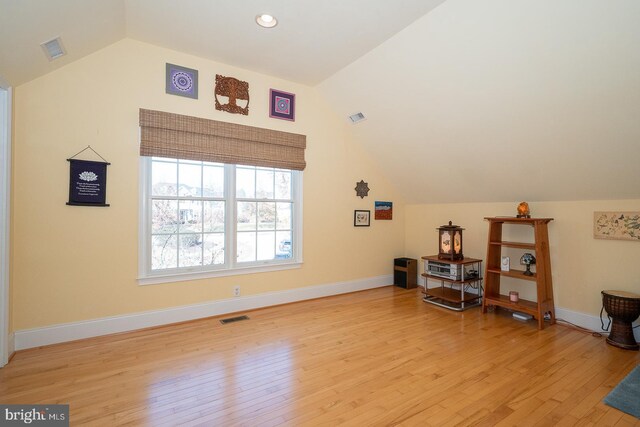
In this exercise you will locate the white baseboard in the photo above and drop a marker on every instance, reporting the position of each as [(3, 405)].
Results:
[(110, 325), (588, 321), (7, 352), (36, 337)]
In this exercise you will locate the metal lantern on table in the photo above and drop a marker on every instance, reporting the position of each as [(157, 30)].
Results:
[(450, 242)]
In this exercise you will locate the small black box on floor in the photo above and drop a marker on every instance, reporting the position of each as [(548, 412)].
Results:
[(405, 272)]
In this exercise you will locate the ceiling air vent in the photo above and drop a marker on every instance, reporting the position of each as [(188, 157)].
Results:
[(53, 49), (358, 117)]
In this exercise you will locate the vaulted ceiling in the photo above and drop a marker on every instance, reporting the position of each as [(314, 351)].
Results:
[(498, 100), (502, 100), (313, 40)]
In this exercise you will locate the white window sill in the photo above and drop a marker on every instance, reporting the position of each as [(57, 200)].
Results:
[(182, 277)]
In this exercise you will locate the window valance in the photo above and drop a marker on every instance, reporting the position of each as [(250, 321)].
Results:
[(192, 138)]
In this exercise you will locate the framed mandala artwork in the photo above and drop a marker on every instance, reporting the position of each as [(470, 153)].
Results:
[(182, 81), (282, 105)]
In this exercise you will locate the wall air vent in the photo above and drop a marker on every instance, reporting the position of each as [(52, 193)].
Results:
[(53, 49), (358, 117)]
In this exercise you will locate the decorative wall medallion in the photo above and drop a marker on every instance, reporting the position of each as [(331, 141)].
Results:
[(181, 81), (232, 95), (362, 189), (282, 105)]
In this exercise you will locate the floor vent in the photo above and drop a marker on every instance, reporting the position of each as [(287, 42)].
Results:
[(233, 319)]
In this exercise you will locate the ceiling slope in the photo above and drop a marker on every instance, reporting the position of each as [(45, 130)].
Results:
[(503, 100), (84, 26), (313, 39)]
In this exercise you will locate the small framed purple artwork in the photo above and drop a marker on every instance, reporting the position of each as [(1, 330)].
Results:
[(282, 105), (182, 81)]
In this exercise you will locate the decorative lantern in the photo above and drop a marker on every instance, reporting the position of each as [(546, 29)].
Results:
[(450, 242)]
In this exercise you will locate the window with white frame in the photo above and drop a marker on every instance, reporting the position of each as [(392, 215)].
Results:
[(264, 206), (213, 218)]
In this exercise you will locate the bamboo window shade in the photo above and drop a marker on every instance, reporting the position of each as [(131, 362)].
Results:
[(192, 138)]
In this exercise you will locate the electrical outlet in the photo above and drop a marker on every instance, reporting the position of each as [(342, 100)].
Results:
[(236, 291)]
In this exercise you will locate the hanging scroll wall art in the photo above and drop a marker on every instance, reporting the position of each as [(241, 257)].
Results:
[(232, 95), (87, 181)]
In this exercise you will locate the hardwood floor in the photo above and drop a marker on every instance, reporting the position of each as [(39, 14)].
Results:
[(378, 357)]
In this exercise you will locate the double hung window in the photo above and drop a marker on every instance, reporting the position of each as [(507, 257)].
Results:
[(217, 198), (201, 219)]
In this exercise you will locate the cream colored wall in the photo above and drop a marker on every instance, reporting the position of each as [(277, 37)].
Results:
[(512, 92), (76, 263), (581, 265)]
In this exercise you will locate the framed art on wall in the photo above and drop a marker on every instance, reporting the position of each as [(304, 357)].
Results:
[(361, 218), (181, 81), (616, 225), (383, 210), (282, 105)]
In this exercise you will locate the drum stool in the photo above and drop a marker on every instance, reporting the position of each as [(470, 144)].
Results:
[(623, 308)]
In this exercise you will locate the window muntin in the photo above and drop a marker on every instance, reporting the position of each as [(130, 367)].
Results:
[(209, 216)]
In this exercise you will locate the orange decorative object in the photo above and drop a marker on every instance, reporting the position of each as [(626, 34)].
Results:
[(523, 210)]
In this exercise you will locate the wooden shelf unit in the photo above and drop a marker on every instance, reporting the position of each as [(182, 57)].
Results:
[(446, 295), (542, 277)]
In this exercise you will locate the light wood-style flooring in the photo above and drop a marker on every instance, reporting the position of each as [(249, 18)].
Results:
[(378, 357)]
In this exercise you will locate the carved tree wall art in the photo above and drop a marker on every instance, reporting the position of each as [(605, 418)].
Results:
[(236, 91)]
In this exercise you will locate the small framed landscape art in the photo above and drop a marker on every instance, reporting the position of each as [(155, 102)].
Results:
[(181, 81), (361, 218), (282, 105), (383, 210)]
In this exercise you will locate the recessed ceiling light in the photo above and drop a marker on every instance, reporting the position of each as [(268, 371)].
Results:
[(266, 21)]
